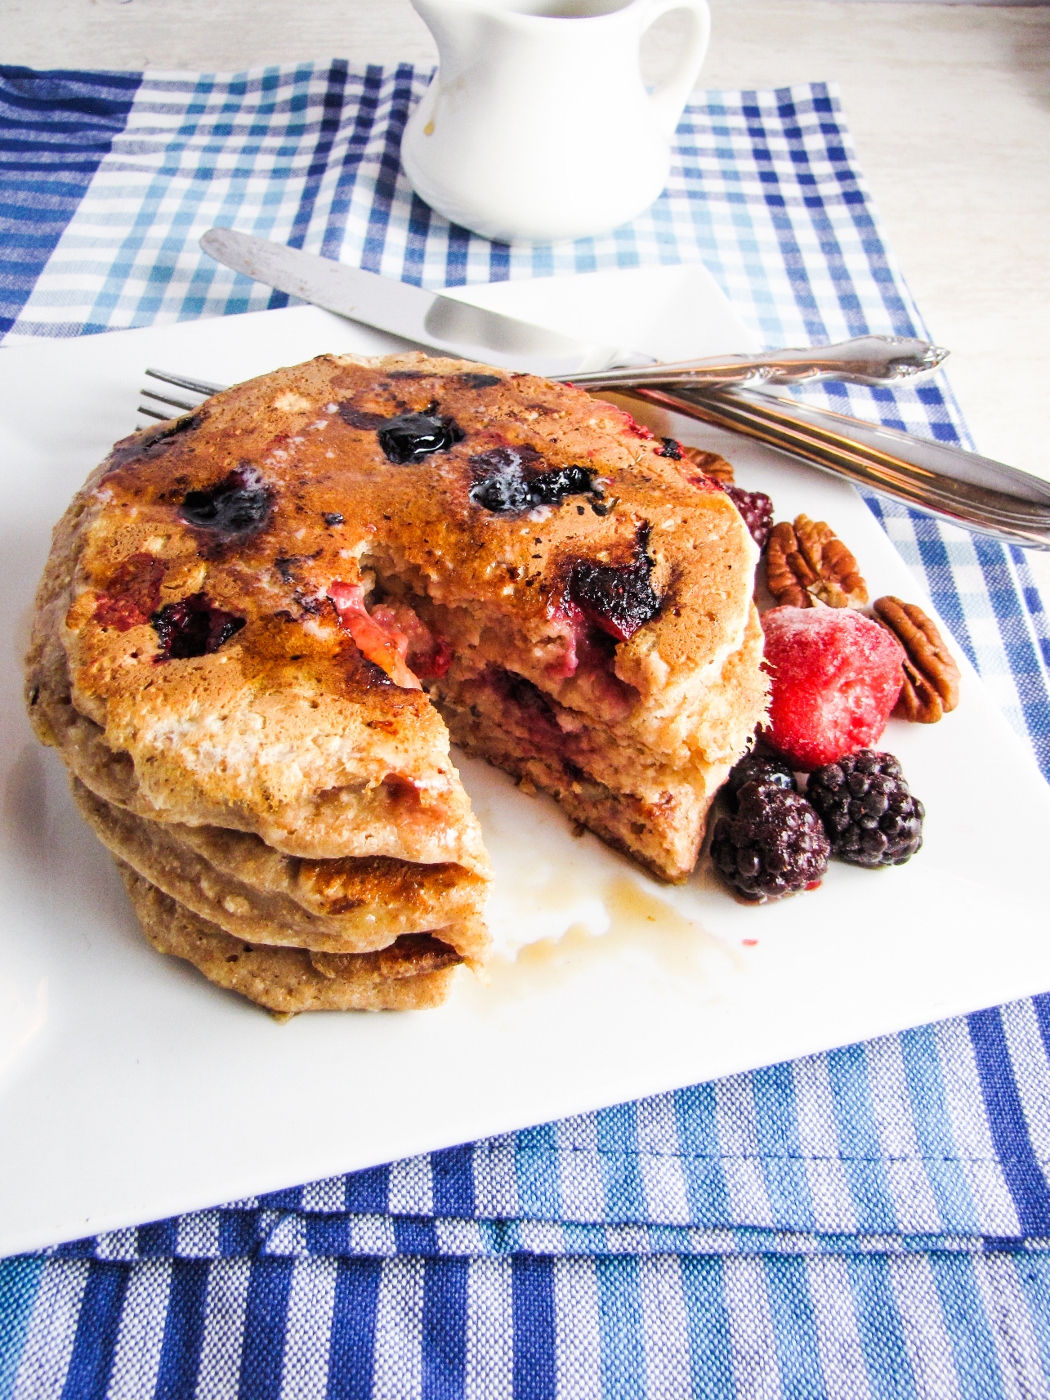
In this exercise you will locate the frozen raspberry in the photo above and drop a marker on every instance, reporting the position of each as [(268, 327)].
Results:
[(867, 809), (756, 508), (836, 677), (762, 769), (773, 846)]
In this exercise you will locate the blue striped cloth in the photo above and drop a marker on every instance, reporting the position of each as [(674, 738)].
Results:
[(871, 1221)]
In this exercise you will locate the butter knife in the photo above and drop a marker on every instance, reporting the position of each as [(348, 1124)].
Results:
[(471, 333), (427, 318)]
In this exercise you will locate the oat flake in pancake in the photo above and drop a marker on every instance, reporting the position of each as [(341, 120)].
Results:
[(259, 624)]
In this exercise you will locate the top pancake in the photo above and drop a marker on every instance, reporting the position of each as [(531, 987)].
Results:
[(279, 725)]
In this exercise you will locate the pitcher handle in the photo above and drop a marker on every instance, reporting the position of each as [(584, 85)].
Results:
[(670, 95)]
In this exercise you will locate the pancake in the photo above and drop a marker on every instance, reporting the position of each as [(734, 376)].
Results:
[(254, 893), (259, 623), (410, 976)]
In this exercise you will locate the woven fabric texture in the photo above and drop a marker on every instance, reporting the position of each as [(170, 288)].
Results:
[(871, 1221)]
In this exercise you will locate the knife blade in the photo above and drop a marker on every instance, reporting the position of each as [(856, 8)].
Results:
[(463, 331)]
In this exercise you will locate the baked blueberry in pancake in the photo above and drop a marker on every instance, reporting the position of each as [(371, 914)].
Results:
[(259, 626)]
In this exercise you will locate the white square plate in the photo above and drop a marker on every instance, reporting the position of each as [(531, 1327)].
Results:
[(131, 1089)]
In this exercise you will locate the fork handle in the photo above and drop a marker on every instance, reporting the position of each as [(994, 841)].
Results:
[(976, 492)]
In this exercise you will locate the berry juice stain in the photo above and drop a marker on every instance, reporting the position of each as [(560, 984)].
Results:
[(477, 381)]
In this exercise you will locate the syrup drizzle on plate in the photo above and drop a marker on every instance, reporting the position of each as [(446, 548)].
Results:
[(561, 908)]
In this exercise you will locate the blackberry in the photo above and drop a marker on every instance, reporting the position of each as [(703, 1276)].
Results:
[(761, 769), (867, 809), (756, 508), (773, 846)]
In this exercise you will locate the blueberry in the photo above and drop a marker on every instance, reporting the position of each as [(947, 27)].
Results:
[(671, 448), (193, 627), (507, 480), (616, 598), (238, 505), (553, 486), (477, 381), (412, 436), (499, 479)]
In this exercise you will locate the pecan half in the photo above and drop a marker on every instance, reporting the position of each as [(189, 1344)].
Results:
[(931, 677), (709, 463), (807, 563)]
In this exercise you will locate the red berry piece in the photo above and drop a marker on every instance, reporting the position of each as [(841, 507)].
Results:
[(132, 594), (836, 676)]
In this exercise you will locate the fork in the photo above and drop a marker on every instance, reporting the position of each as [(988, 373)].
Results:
[(982, 495), (200, 387)]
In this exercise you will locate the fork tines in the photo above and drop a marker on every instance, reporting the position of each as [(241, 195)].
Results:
[(200, 387)]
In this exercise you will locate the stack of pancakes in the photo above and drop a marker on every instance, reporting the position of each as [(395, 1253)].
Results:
[(256, 623)]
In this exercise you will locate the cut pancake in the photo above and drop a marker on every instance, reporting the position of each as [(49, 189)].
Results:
[(602, 775), (259, 623)]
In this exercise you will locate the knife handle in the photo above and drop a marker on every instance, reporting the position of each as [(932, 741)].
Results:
[(866, 359)]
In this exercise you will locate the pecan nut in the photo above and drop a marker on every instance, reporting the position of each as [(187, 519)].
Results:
[(807, 564), (931, 677)]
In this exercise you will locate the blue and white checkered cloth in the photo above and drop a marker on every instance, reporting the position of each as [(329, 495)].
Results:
[(872, 1221)]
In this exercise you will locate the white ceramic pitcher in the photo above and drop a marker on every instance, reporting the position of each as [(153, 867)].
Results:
[(537, 124)]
